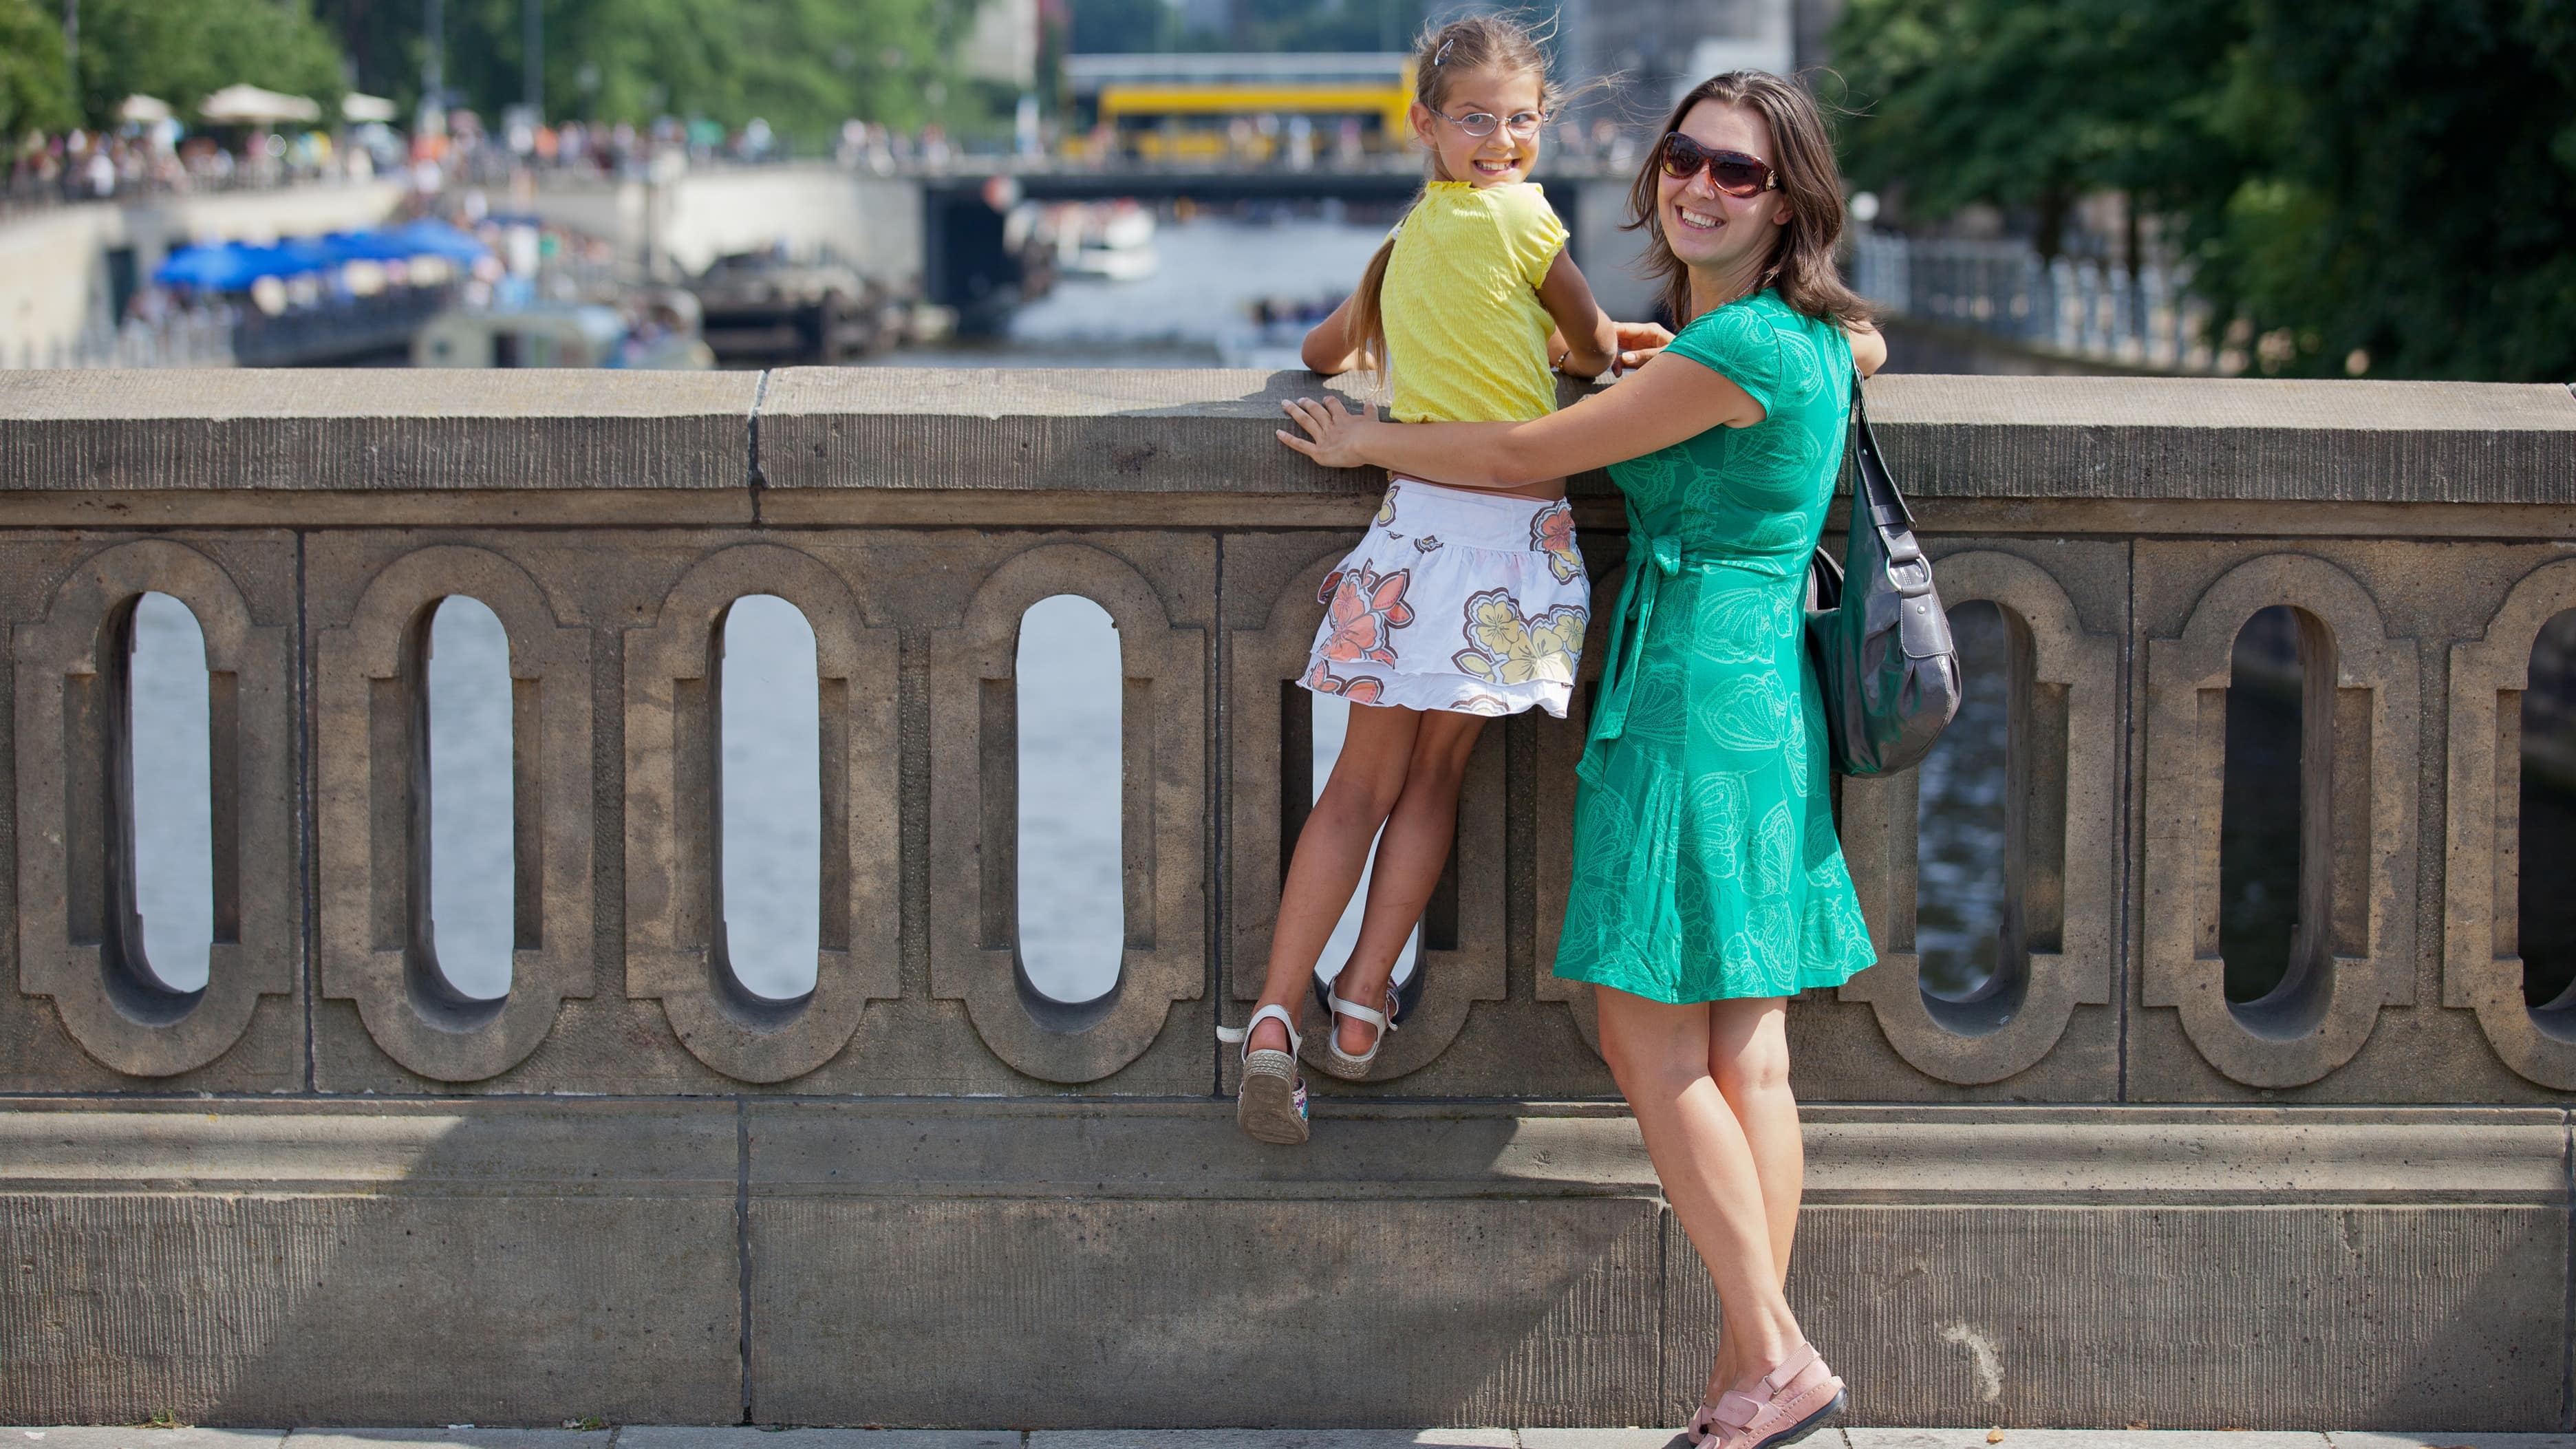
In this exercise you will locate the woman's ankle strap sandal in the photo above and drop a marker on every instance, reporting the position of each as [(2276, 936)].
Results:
[(1271, 1103), (1798, 1396)]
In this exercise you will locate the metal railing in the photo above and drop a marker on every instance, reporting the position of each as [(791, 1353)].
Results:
[(2078, 307)]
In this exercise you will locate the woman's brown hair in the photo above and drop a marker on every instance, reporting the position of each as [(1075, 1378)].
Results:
[(1802, 263), (1472, 43)]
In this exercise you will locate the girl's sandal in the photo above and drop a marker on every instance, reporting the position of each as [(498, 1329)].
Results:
[(1341, 1063), (1798, 1395), (1271, 1103)]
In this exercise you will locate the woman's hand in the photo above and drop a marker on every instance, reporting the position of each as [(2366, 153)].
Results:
[(1640, 341), (1333, 435)]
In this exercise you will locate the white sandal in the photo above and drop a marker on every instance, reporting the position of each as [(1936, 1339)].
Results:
[(1270, 1106), (1341, 1063)]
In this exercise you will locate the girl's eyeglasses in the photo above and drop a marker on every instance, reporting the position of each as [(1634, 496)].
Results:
[(1732, 172), (1480, 124)]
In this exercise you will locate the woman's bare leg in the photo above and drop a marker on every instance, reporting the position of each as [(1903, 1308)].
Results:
[(1748, 1058), (1332, 848), (1660, 1055), (1410, 856)]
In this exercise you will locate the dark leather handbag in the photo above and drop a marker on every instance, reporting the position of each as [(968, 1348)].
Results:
[(1876, 628)]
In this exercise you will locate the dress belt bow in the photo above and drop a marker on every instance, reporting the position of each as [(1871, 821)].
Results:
[(1659, 557)]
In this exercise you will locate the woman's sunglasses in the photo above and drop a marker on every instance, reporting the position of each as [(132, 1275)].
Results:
[(1732, 172)]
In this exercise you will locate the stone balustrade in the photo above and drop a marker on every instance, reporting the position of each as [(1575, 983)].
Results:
[(325, 1188)]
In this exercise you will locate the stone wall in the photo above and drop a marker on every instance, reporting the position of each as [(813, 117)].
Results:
[(320, 1192)]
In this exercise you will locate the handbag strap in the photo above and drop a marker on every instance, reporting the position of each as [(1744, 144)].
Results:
[(1870, 465)]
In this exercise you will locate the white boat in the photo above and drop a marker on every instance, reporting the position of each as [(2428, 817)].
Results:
[(1113, 241)]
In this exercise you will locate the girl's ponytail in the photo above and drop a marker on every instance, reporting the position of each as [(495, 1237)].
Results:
[(1367, 325)]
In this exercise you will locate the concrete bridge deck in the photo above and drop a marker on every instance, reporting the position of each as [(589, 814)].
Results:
[(325, 1189), (788, 1437)]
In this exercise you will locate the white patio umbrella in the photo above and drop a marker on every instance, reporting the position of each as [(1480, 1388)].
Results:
[(246, 104), (143, 110), (359, 109)]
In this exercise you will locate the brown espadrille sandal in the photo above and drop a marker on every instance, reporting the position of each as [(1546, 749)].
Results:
[(1270, 1105)]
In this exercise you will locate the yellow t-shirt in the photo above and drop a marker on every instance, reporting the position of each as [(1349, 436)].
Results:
[(1466, 337)]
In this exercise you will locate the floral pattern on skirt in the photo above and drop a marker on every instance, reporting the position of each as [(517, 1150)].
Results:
[(1455, 600)]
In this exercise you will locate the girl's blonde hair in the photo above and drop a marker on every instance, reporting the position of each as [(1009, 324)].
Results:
[(1802, 259), (1441, 54)]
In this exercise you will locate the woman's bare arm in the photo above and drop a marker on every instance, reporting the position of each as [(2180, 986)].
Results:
[(1869, 348), (1669, 399), (1329, 347)]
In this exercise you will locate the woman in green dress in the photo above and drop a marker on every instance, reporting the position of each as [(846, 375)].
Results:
[(1708, 885)]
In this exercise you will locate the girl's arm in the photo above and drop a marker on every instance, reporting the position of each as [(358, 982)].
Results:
[(1329, 347), (1585, 332), (1669, 399)]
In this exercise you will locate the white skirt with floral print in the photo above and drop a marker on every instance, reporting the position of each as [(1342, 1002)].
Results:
[(1458, 600)]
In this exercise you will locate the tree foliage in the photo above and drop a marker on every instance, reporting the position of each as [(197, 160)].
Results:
[(802, 65), (183, 53), (35, 94), (2395, 179)]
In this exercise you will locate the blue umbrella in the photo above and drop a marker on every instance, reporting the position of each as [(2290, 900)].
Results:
[(432, 237), (222, 267), (379, 244)]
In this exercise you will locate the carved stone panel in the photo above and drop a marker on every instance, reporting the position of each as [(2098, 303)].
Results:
[(2361, 805), (2061, 837), (974, 747), (2482, 968), (674, 826), (370, 731), (1463, 931), (78, 938)]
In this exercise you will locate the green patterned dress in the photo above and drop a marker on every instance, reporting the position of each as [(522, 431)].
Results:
[(1705, 862)]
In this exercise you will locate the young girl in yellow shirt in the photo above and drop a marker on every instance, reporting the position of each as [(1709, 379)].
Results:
[(1457, 605)]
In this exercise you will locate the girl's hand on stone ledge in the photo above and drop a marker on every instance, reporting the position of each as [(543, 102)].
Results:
[(1334, 436)]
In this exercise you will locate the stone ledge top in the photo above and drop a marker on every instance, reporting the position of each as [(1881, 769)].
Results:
[(1203, 431)]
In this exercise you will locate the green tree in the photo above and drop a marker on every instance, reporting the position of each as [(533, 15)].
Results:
[(182, 53), (2395, 180), (34, 93), (803, 65)]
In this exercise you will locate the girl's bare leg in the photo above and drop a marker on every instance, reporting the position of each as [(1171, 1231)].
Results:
[(1332, 848), (1660, 1055), (1410, 856), (1748, 1057)]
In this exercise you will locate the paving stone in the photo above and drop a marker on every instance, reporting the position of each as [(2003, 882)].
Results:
[(117, 1436), (741, 1438), (2433, 1439), (1635, 1439), (463, 1438), (2082, 1439), (2368, 1439), (1271, 1437)]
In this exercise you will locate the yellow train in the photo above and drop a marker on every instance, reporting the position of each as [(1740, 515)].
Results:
[(1238, 108)]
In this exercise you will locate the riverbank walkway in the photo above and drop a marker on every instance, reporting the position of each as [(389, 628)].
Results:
[(682, 1437)]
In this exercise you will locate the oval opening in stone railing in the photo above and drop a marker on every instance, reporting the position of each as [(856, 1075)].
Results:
[(1071, 907), (169, 766), (1967, 875), (2546, 851), (470, 913), (2274, 932), (769, 774)]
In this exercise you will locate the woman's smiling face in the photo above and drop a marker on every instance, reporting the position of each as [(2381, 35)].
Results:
[(1706, 228), (1500, 92)]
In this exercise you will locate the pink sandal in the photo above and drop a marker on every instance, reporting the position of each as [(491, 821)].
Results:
[(1798, 1395)]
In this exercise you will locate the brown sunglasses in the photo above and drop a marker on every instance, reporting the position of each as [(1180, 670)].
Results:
[(1732, 172)]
